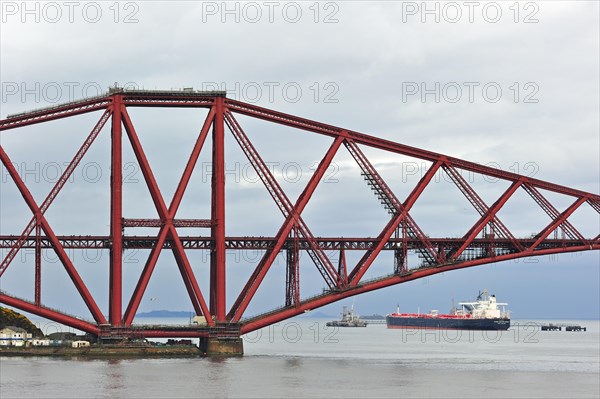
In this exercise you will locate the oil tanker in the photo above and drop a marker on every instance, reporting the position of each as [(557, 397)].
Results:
[(483, 314)]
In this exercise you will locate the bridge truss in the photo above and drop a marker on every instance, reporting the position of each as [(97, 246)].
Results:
[(486, 241)]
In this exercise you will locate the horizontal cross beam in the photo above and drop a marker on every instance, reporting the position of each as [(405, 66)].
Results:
[(200, 223)]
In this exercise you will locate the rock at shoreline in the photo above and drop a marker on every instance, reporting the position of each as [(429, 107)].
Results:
[(9, 317)]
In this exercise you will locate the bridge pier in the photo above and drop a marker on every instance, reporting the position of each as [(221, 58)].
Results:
[(222, 346), (222, 339)]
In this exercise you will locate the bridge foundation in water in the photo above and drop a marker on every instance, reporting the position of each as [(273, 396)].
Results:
[(222, 346), (222, 339)]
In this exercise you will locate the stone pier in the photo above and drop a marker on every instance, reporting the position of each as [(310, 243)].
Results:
[(222, 346)]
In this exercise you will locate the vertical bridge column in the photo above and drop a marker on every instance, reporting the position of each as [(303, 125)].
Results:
[(217, 257), (116, 215), (38, 263), (401, 255), (292, 273)]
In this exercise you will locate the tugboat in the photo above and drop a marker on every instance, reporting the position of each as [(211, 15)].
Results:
[(349, 319), (483, 314)]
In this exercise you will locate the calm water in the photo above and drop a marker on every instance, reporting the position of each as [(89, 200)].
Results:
[(302, 358)]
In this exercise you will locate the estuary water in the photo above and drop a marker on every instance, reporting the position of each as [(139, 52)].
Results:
[(304, 358)]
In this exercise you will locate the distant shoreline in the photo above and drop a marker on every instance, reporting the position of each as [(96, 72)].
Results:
[(166, 313), (190, 314)]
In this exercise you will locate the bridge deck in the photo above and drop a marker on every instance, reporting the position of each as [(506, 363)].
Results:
[(263, 243)]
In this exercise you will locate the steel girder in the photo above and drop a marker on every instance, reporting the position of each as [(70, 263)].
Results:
[(264, 243)]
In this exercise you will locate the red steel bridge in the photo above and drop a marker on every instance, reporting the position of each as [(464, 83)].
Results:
[(486, 241)]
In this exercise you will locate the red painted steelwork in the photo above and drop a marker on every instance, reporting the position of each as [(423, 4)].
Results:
[(320, 260), (56, 189), (217, 258), (255, 280), (401, 234), (368, 258), (60, 252), (266, 319), (50, 314), (115, 311), (264, 243)]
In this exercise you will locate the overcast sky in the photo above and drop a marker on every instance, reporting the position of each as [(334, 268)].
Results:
[(512, 86)]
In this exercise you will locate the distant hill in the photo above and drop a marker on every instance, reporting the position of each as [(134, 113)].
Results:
[(165, 313), (316, 315), (9, 317), (182, 313), (373, 317)]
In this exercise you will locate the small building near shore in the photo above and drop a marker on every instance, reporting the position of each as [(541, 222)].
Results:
[(40, 342), (14, 336), (80, 344)]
